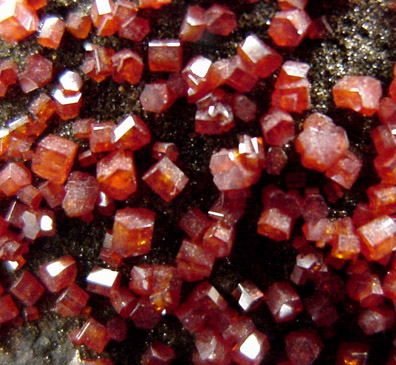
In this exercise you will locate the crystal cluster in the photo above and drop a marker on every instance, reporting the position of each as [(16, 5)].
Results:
[(92, 173)]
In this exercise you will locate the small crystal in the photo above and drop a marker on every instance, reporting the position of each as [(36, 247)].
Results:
[(283, 302), (220, 20), (158, 354), (103, 281), (116, 174), (93, 335), (51, 32), (54, 158), (27, 289), (17, 21), (36, 74), (71, 301), (248, 295), (193, 25), (157, 97), (359, 93), (81, 194), (8, 309), (289, 27), (13, 177), (303, 347), (59, 273), (127, 66), (261, 58), (165, 55), (132, 231), (166, 179), (78, 24)]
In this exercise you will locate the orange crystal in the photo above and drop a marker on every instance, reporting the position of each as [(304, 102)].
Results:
[(51, 32), (78, 24), (359, 93), (378, 237), (321, 143), (220, 20), (166, 179), (289, 27), (260, 57), (127, 66), (13, 177), (59, 273), (193, 25), (116, 174), (81, 194), (132, 231), (131, 133), (17, 20), (54, 158), (37, 73), (165, 55)]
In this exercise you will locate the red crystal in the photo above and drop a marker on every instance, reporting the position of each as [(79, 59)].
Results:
[(93, 335), (158, 354), (135, 29), (8, 75), (81, 194), (98, 64), (283, 302), (59, 273), (321, 143), (132, 231), (52, 193), (51, 32), (103, 281), (378, 238), (116, 174), (165, 55), (127, 66), (117, 329), (18, 20), (352, 353), (101, 137), (248, 295), (78, 24), (258, 56), (220, 20), (123, 301), (102, 15), (252, 349), (131, 133), (166, 179), (145, 315), (154, 4), (365, 288), (194, 261), (27, 289), (13, 177), (289, 27), (220, 238), (321, 310), (277, 127), (36, 74), (195, 223), (71, 301), (292, 4), (31, 313), (8, 309), (157, 97), (54, 158), (359, 93), (375, 320), (210, 348), (43, 107), (193, 25)]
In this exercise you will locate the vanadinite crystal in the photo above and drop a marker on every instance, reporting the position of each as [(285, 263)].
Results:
[(59, 273), (132, 231), (166, 179), (36, 74), (27, 289), (54, 158), (359, 93), (193, 25), (17, 20), (116, 174), (321, 142), (165, 55), (51, 32)]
